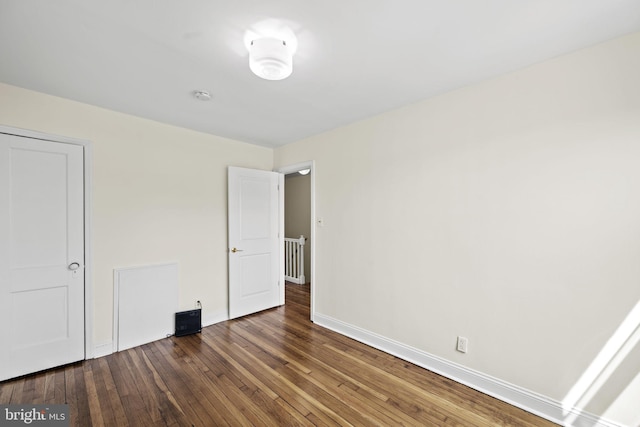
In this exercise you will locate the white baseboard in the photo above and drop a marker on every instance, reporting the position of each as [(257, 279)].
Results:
[(213, 318), (107, 348), (102, 350), (530, 401)]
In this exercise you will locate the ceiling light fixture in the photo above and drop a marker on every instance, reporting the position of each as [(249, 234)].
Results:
[(270, 58), (304, 171)]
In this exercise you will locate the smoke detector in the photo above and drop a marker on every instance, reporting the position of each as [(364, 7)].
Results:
[(202, 95)]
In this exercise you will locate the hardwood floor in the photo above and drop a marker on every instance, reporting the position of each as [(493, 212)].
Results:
[(274, 368)]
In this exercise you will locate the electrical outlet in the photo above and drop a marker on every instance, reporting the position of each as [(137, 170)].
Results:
[(463, 344)]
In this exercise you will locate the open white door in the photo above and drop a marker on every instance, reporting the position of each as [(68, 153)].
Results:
[(256, 276), (41, 255)]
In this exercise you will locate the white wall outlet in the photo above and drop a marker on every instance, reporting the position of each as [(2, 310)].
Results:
[(463, 344)]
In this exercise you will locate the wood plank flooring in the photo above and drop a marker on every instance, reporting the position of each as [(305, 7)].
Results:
[(274, 368)]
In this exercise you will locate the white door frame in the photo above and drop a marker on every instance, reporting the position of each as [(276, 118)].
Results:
[(88, 284), (310, 164)]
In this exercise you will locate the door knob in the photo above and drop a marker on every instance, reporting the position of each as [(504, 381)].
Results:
[(74, 266), (234, 250)]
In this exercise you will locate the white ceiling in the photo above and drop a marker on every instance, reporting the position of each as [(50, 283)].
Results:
[(355, 58)]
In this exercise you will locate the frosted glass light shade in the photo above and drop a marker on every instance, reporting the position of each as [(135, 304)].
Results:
[(270, 59)]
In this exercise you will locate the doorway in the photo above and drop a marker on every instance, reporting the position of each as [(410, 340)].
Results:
[(303, 221)]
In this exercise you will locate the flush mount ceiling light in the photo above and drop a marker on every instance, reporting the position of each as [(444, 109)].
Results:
[(270, 58), (304, 171)]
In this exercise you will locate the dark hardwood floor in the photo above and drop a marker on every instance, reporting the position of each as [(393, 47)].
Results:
[(274, 368)]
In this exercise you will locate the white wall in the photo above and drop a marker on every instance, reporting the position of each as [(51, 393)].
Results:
[(159, 195), (506, 212)]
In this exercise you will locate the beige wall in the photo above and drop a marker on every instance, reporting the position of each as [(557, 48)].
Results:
[(297, 213), (159, 195), (506, 212)]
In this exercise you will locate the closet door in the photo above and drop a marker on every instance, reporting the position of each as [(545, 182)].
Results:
[(41, 255)]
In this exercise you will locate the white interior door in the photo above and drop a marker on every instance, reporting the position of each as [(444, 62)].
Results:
[(41, 255), (256, 276)]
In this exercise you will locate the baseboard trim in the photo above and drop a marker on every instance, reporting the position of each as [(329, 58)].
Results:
[(102, 350), (106, 349), (209, 319), (530, 401)]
